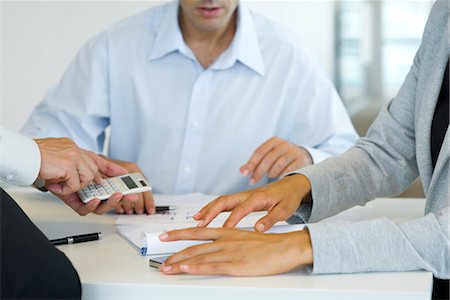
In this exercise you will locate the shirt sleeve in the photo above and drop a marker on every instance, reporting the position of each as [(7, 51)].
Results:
[(20, 158), (321, 123), (68, 109)]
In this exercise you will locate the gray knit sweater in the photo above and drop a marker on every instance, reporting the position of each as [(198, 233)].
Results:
[(394, 153)]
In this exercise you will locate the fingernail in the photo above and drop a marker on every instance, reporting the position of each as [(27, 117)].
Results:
[(246, 172), (260, 227), (166, 268), (252, 181), (94, 203), (196, 215), (163, 236), (200, 223), (184, 267)]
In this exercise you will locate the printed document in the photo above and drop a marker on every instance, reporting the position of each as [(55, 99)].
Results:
[(143, 230)]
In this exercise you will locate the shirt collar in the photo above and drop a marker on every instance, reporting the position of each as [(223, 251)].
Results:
[(244, 47), (169, 38)]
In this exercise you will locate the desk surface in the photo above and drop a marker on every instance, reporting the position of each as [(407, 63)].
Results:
[(113, 269)]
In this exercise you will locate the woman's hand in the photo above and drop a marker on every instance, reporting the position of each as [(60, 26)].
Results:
[(238, 252), (280, 199)]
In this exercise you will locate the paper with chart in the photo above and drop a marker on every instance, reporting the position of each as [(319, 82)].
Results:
[(186, 207), (143, 230)]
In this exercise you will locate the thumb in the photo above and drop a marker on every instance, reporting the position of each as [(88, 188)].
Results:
[(273, 216), (55, 188), (69, 185), (264, 224)]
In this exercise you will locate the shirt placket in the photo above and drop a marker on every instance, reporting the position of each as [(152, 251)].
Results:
[(194, 133)]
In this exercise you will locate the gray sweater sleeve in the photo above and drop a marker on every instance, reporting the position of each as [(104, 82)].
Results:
[(382, 164), (381, 245)]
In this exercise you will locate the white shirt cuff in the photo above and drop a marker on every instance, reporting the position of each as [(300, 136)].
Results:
[(20, 158), (317, 155)]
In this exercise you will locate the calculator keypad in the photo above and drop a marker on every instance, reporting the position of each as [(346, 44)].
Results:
[(97, 191)]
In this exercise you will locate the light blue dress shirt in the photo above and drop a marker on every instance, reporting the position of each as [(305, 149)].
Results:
[(189, 128)]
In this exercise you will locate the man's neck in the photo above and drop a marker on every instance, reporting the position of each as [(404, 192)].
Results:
[(207, 46)]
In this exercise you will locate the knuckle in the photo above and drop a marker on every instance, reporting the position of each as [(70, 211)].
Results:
[(269, 157), (220, 199), (258, 153), (225, 201), (268, 160), (67, 141), (191, 251), (284, 143), (282, 162), (264, 198), (259, 196)]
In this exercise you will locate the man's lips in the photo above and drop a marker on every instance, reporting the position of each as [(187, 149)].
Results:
[(209, 12)]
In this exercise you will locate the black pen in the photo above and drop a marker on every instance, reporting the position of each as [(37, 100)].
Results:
[(164, 208), (78, 239)]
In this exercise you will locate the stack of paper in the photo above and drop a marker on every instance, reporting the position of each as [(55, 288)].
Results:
[(143, 230)]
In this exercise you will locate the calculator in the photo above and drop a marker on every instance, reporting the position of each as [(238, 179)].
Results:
[(126, 184)]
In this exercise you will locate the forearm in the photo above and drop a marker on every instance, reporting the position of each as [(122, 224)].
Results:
[(359, 175), (300, 244), (381, 245)]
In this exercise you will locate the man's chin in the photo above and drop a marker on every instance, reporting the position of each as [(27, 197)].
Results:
[(210, 26)]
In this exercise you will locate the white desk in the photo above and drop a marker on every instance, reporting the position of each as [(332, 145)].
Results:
[(112, 269)]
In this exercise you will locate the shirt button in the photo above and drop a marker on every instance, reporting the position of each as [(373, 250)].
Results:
[(187, 169)]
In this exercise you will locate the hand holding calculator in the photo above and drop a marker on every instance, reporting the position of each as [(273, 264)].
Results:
[(126, 184)]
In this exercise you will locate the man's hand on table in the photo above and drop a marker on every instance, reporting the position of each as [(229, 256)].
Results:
[(275, 157), (135, 203)]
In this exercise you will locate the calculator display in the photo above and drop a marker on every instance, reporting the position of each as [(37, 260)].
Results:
[(129, 182)]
